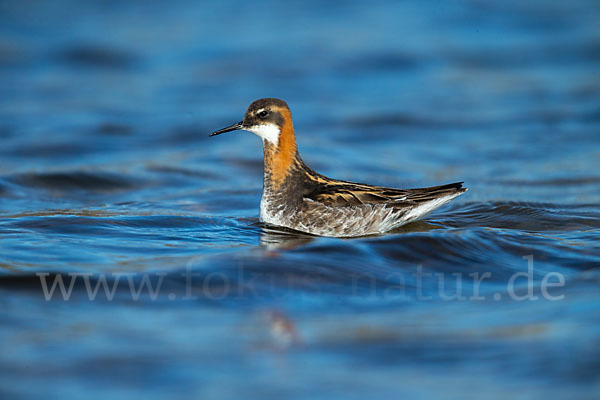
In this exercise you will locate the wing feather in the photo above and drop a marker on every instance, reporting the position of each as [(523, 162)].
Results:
[(339, 193)]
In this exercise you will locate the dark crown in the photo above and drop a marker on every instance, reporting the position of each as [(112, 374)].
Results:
[(267, 102)]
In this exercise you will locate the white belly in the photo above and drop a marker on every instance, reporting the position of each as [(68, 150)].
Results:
[(352, 221)]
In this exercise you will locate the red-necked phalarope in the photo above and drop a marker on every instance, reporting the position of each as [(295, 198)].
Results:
[(294, 196)]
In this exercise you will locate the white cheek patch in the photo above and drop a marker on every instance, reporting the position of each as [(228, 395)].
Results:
[(268, 132)]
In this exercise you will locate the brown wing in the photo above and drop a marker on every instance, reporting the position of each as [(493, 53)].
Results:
[(339, 193)]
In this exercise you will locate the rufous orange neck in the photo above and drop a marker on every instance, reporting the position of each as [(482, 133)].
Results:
[(279, 158)]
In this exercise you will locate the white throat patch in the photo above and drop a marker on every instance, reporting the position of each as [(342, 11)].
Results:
[(268, 132)]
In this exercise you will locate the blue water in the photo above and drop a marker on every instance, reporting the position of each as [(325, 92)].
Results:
[(107, 172)]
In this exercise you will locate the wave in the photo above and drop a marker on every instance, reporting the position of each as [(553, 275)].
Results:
[(76, 180), (494, 238)]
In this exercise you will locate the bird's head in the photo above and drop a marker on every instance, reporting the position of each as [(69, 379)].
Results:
[(267, 118)]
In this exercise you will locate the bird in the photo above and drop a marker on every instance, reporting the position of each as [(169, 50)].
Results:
[(297, 198)]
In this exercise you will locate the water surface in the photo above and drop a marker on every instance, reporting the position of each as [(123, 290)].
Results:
[(107, 172)]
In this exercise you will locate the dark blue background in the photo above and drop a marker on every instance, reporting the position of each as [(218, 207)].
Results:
[(105, 166)]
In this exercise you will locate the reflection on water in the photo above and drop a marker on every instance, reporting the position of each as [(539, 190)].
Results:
[(277, 238), (107, 174)]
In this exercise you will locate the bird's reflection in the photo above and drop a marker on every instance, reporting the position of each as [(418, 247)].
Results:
[(275, 238), (279, 238)]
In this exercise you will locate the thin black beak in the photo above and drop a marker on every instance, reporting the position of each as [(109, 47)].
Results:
[(233, 127)]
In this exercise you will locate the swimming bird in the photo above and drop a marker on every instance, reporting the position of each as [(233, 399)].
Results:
[(296, 197)]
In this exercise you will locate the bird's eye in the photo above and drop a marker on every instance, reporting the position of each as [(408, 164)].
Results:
[(263, 114)]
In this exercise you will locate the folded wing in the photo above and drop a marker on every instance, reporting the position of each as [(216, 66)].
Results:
[(339, 194)]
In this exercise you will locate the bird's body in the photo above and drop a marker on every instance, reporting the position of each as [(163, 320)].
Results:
[(296, 197)]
